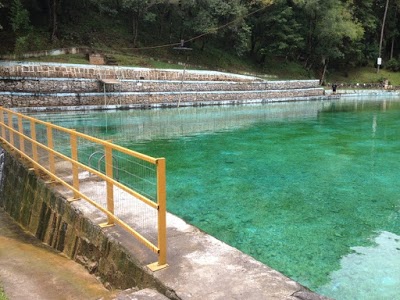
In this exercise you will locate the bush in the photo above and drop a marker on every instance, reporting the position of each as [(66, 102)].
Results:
[(393, 65)]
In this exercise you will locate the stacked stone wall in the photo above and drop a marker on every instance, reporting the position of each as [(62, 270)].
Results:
[(48, 85), (79, 85), (171, 98), (51, 218)]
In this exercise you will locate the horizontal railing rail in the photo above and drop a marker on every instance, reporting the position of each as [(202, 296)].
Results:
[(63, 155)]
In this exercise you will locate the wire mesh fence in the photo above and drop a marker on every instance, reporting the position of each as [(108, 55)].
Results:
[(127, 186)]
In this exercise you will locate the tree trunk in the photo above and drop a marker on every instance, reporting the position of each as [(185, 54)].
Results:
[(54, 21), (135, 30), (203, 43), (382, 31), (322, 79), (392, 48), (393, 37)]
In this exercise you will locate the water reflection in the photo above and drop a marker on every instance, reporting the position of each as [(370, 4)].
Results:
[(369, 272), (144, 125)]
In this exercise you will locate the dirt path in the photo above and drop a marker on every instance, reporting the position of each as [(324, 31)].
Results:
[(31, 270)]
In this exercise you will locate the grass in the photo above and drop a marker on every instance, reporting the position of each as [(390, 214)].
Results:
[(365, 75), (284, 69), (65, 58), (2, 294)]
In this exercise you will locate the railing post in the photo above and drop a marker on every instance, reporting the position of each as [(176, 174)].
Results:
[(110, 186), (10, 124), (3, 129), (50, 144), (21, 136), (162, 213), (34, 146), (75, 169)]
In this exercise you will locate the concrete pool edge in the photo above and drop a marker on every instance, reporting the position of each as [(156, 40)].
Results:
[(201, 267)]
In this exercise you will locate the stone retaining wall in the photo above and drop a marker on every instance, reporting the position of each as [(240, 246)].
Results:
[(168, 99), (52, 219), (79, 85)]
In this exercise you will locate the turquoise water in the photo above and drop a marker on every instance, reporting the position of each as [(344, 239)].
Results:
[(310, 188)]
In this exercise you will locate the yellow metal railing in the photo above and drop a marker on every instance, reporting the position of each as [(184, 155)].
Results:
[(56, 152)]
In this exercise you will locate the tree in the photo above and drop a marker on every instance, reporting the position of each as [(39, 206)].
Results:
[(218, 20), (139, 10), (330, 24), (54, 8), (392, 26), (276, 32), (19, 18), (360, 52), (51, 9), (21, 26)]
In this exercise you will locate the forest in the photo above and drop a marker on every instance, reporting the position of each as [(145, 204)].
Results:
[(318, 34)]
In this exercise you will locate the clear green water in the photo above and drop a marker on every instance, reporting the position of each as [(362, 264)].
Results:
[(311, 189)]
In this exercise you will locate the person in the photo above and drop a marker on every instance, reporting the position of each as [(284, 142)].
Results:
[(334, 87)]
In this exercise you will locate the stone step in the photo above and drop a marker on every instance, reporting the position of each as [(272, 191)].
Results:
[(111, 61)]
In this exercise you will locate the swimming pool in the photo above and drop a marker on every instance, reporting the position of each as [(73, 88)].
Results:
[(309, 188)]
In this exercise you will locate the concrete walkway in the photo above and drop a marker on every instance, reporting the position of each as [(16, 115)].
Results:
[(31, 270), (202, 267)]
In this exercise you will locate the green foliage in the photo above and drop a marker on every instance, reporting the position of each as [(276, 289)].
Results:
[(393, 65), (242, 40), (331, 23), (210, 19), (19, 17), (21, 26), (2, 294), (278, 32), (21, 45), (317, 34)]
